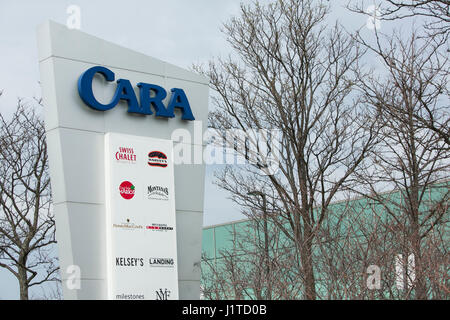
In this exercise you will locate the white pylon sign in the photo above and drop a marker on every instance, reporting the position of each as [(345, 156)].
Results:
[(141, 242)]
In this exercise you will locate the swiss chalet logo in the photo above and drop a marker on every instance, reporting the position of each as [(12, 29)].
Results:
[(125, 154)]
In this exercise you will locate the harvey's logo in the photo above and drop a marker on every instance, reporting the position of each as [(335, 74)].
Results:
[(125, 154), (157, 159), (158, 193)]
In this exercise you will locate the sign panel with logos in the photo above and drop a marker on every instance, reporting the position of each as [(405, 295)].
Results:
[(140, 218)]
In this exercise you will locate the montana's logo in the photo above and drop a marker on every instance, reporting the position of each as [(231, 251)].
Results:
[(158, 192), (157, 159)]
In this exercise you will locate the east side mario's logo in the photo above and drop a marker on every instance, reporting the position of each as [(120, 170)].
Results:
[(127, 190), (157, 159)]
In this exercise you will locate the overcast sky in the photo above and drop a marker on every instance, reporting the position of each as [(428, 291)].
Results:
[(178, 32)]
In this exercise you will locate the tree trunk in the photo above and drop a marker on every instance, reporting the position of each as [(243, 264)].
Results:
[(23, 283), (308, 267), (419, 283)]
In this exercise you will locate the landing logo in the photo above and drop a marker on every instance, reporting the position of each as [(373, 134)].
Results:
[(126, 155), (157, 159), (162, 294), (159, 227), (158, 193), (127, 190), (161, 262)]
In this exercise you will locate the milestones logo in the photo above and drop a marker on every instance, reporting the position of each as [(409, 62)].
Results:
[(130, 296), (127, 190), (157, 159), (158, 192), (126, 155), (159, 227)]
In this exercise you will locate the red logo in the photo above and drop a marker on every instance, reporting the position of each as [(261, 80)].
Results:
[(159, 227), (125, 155), (157, 159), (127, 190)]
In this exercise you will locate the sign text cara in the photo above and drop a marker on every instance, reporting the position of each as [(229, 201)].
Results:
[(149, 94)]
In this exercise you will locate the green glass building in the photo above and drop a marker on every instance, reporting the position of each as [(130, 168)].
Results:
[(362, 252)]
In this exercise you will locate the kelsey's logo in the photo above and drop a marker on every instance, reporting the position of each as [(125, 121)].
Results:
[(161, 262), (158, 193), (127, 190), (149, 95), (125, 155), (157, 159), (129, 262), (159, 227)]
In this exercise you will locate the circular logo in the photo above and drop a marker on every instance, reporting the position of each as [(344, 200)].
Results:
[(127, 190)]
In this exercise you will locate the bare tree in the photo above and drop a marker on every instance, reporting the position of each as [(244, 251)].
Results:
[(369, 239), (435, 13), (358, 239), (435, 16), (27, 228), (410, 158), (293, 72), (244, 270)]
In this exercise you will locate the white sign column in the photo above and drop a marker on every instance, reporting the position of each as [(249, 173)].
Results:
[(140, 218)]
